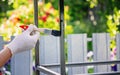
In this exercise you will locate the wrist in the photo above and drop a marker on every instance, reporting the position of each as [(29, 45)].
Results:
[(5, 55), (8, 50)]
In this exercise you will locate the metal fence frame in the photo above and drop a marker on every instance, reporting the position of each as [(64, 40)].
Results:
[(62, 65)]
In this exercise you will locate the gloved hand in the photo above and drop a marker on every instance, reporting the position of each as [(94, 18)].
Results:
[(24, 41)]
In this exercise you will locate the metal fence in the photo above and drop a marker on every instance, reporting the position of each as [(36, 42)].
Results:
[(76, 54)]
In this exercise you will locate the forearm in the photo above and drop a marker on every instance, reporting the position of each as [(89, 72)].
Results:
[(5, 55)]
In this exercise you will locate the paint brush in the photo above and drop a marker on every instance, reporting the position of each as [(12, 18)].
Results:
[(44, 30)]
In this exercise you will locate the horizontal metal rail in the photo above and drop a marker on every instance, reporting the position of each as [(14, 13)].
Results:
[(84, 63), (90, 39), (89, 63), (46, 71), (102, 73)]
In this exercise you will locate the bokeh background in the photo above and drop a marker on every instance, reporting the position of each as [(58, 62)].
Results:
[(81, 16)]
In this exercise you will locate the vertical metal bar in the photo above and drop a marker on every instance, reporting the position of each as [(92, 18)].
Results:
[(62, 52), (37, 45)]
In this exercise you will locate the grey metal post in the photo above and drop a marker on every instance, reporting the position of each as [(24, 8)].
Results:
[(62, 52), (37, 45)]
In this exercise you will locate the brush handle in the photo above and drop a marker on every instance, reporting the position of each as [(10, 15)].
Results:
[(49, 31)]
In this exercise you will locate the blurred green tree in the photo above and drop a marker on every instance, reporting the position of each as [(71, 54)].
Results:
[(88, 16), (46, 18), (5, 5)]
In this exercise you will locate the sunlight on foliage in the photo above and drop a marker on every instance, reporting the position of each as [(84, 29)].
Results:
[(93, 3), (113, 23), (24, 14)]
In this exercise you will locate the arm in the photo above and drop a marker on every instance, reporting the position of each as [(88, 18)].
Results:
[(5, 55)]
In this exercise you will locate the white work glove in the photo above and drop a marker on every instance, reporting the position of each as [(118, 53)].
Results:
[(24, 41)]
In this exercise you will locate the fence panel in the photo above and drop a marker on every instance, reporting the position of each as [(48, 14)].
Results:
[(101, 50), (21, 63), (77, 52), (49, 51), (118, 49), (1, 43)]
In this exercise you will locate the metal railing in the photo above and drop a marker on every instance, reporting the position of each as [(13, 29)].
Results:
[(43, 68), (62, 65)]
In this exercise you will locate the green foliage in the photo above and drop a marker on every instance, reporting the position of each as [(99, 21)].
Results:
[(90, 70), (80, 17), (18, 3), (4, 6), (113, 23), (93, 3), (17, 17)]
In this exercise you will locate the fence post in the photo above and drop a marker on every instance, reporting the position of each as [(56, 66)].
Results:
[(118, 49), (101, 50), (77, 52)]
